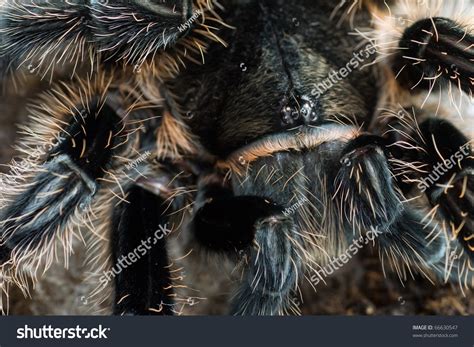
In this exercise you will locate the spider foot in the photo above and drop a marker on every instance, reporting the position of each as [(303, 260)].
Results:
[(438, 47), (449, 182), (364, 187)]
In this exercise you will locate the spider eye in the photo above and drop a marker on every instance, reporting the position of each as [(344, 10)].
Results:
[(299, 110)]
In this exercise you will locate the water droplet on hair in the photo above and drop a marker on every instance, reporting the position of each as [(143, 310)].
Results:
[(346, 161)]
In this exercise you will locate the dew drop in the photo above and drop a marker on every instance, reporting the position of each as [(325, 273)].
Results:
[(346, 161)]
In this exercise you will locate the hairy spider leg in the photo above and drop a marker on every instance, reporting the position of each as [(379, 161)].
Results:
[(254, 226), (140, 260)]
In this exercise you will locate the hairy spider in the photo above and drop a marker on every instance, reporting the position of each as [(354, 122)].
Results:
[(267, 134)]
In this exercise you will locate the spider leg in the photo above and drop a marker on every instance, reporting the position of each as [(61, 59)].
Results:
[(272, 274), (414, 245), (364, 183), (437, 47), (257, 227), (447, 180), (5, 70), (135, 30), (74, 142), (433, 163), (144, 274), (40, 34), (66, 181), (370, 201), (142, 282), (450, 184)]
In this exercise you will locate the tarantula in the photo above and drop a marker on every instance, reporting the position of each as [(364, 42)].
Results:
[(269, 133)]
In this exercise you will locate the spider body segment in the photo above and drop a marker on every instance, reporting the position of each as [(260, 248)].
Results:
[(290, 141)]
